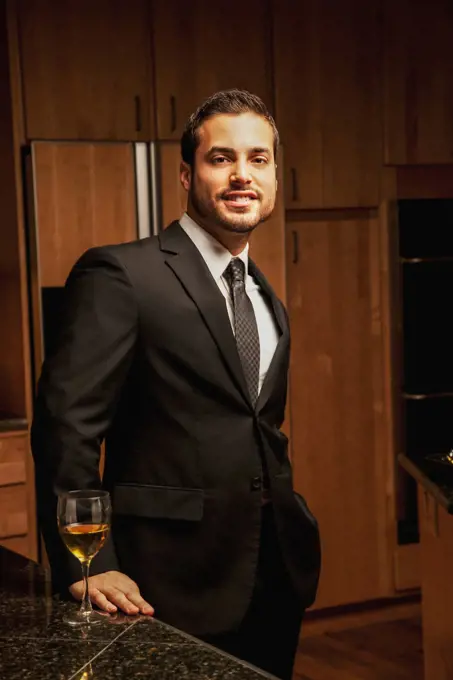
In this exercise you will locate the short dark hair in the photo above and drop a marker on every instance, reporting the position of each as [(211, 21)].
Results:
[(225, 102)]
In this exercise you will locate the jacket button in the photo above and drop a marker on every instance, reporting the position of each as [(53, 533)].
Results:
[(255, 484)]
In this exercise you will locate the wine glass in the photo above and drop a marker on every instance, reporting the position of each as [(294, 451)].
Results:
[(84, 523)]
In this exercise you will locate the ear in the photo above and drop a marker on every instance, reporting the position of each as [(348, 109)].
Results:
[(185, 175)]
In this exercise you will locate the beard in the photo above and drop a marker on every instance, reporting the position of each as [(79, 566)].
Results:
[(212, 213)]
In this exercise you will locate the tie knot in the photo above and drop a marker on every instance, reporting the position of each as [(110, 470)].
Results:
[(235, 272)]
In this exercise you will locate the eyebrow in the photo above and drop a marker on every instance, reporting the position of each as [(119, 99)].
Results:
[(229, 150)]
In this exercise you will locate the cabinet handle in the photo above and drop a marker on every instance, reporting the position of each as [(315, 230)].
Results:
[(295, 247), (173, 113), (294, 184), (138, 113)]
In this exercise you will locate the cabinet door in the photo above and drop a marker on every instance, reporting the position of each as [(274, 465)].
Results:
[(418, 82), (327, 101), (85, 197), (336, 387), (14, 351), (173, 196), (202, 47), (86, 69), (17, 495)]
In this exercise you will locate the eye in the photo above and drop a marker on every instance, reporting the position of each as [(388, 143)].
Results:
[(260, 160), (220, 160)]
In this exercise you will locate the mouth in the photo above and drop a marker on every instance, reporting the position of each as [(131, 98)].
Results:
[(239, 198)]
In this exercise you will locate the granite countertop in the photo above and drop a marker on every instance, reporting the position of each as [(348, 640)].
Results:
[(436, 478), (36, 643)]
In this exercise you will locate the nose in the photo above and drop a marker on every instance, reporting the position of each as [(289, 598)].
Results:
[(241, 173)]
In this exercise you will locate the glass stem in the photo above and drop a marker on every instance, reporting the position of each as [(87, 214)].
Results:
[(86, 606)]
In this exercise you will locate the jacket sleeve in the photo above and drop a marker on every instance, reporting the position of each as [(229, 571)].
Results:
[(78, 390)]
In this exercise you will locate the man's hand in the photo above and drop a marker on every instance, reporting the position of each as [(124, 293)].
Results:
[(111, 591)]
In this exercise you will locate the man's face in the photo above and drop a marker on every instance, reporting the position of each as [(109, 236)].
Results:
[(232, 185)]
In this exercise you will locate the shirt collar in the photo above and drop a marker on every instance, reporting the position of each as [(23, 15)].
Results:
[(216, 256)]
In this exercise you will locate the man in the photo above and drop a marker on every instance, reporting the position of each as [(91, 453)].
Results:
[(175, 350)]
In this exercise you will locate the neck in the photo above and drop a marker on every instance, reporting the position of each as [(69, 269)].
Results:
[(231, 240), (236, 247)]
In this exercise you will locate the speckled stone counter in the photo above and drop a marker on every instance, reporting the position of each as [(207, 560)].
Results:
[(36, 644)]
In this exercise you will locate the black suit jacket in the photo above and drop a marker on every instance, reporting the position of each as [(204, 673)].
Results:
[(146, 359)]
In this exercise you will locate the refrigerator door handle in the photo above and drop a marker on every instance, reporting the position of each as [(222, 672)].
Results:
[(154, 188), (142, 190)]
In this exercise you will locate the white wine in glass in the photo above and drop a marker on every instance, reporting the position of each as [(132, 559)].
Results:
[(84, 523)]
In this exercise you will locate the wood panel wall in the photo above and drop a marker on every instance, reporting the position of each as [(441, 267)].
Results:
[(12, 365)]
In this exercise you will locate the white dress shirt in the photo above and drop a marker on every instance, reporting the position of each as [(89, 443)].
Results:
[(217, 259)]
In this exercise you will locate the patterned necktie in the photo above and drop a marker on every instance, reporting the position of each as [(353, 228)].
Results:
[(245, 328)]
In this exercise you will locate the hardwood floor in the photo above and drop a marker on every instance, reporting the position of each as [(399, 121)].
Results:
[(378, 645)]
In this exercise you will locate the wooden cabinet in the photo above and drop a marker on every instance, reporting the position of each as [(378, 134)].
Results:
[(337, 400), (84, 197), (327, 93), (418, 82), (12, 460), (14, 333), (86, 69), (173, 196), (17, 488), (202, 47), (17, 512)]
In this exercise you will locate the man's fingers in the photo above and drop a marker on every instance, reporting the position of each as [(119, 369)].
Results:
[(112, 591), (121, 600), (137, 599), (100, 600)]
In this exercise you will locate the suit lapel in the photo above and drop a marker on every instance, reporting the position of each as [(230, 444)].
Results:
[(277, 307), (188, 265), (281, 351)]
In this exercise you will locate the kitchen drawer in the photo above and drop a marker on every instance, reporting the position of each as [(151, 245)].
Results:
[(13, 452), (13, 511)]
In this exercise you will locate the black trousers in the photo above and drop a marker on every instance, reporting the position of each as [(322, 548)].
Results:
[(268, 635)]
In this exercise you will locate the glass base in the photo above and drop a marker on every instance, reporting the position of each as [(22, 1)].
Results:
[(85, 618)]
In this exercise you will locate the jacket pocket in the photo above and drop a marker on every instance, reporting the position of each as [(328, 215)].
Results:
[(163, 502)]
